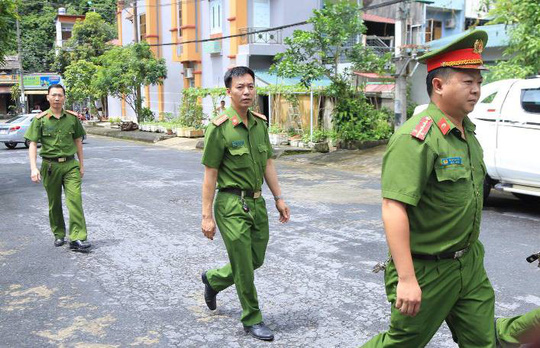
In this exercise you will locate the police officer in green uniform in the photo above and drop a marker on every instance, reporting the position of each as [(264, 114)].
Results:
[(60, 133), (519, 331), (237, 156), (432, 181)]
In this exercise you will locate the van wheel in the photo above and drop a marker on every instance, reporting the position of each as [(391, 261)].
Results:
[(10, 145), (487, 187), (27, 143)]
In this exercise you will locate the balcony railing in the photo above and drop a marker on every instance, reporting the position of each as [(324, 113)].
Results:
[(268, 37)]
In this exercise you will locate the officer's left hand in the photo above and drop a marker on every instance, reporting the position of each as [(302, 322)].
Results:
[(81, 170), (284, 211)]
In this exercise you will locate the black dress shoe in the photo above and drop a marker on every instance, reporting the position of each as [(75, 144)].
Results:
[(209, 293), (59, 242), (79, 245), (260, 331)]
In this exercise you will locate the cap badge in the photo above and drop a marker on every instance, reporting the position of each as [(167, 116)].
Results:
[(478, 46)]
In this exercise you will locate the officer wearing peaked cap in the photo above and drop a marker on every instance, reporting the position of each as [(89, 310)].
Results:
[(432, 182)]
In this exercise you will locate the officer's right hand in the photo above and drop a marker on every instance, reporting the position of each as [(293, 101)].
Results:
[(208, 226), (408, 297), (35, 175)]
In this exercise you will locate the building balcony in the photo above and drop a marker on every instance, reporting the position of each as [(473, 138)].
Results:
[(252, 37)]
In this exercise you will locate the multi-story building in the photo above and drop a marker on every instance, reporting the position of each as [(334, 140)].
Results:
[(169, 27)]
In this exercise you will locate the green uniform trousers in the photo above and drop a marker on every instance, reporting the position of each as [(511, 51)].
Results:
[(245, 235), (56, 175), (522, 328), (457, 291)]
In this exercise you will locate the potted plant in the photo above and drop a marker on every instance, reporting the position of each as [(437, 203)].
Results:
[(319, 142), (277, 135)]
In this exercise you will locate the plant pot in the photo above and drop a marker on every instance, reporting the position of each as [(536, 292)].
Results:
[(279, 139), (320, 147), (169, 131)]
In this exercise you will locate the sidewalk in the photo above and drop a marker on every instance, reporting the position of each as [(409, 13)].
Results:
[(175, 142)]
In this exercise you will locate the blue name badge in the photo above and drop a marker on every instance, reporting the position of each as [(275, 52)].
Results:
[(237, 143), (450, 160)]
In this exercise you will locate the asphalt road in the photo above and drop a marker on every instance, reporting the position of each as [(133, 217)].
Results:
[(140, 286)]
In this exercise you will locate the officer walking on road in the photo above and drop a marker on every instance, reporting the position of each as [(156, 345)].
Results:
[(432, 182), (60, 133), (237, 156)]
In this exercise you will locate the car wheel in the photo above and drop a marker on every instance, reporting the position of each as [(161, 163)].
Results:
[(27, 143), (487, 187), (10, 145)]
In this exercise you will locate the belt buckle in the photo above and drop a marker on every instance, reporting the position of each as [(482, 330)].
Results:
[(61, 159), (459, 253), (256, 194)]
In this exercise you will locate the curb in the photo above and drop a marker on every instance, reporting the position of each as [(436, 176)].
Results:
[(128, 135)]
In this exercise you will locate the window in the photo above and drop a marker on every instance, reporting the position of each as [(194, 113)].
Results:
[(180, 19), (142, 27), (530, 100), (216, 16), (433, 30), (489, 98)]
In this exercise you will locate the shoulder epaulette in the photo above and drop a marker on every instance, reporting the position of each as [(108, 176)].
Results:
[(73, 113), (422, 128), (259, 115), (40, 115), (218, 121)]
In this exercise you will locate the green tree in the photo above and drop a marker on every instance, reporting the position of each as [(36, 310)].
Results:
[(8, 16), (123, 69), (523, 20), (38, 30), (317, 53), (89, 40), (81, 85)]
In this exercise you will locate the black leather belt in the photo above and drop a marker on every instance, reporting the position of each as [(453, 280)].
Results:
[(59, 159), (443, 256), (240, 192)]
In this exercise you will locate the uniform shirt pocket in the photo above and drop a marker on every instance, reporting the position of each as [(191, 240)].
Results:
[(240, 157), (453, 185)]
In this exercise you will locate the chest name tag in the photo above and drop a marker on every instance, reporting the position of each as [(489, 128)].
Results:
[(237, 143), (450, 160)]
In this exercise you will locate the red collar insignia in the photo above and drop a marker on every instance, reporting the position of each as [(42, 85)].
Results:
[(443, 125)]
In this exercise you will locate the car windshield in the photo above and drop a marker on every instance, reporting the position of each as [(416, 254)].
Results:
[(530, 100)]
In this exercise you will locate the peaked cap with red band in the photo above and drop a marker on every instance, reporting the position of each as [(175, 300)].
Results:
[(462, 53)]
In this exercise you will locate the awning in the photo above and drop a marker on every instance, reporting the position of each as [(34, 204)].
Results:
[(45, 92)]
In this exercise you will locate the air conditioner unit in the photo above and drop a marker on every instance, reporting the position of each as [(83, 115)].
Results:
[(188, 73), (450, 23)]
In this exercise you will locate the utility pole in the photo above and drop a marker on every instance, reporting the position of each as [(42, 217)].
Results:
[(135, 22), (21, 70), (401, 60), (138, 93)]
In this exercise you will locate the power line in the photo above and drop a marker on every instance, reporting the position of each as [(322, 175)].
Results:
[(365, 8)]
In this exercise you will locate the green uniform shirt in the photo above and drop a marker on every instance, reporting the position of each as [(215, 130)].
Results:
[(56, 135), (440, 179), (239, 153)]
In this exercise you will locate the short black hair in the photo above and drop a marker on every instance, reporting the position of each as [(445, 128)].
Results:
[(237, 71), (442, 73), (56, 85)]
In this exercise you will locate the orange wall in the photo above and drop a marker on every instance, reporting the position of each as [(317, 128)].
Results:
[(238, 20)]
